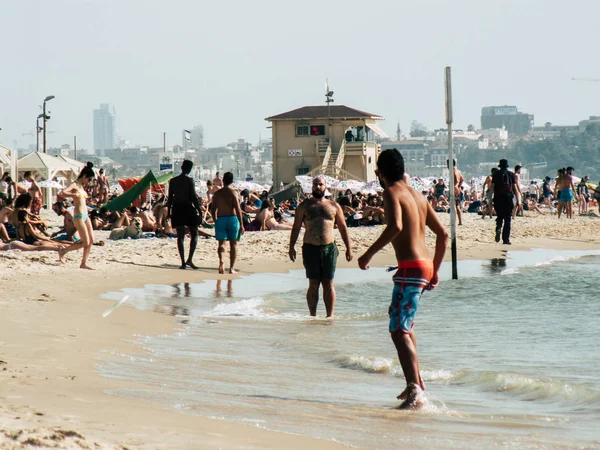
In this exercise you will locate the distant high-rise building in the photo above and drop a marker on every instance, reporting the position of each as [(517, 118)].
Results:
[(193, 138), (516, 122), (105, 135)]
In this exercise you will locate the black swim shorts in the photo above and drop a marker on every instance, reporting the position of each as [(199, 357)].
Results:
[(320, 261), (184, 216)]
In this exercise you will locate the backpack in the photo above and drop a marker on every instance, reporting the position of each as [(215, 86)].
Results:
[(505, 187)]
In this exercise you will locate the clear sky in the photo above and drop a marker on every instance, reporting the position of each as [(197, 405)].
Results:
[(169, 65)]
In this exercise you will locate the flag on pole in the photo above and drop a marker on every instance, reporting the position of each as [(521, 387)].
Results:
[(188, 135)]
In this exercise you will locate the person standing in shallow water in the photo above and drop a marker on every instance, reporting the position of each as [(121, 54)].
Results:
[(319, 252), (407, 213), (184, 210), (225, 208), (80, 215)]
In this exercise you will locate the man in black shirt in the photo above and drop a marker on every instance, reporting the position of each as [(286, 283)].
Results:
[(184, 211), (505, 189)]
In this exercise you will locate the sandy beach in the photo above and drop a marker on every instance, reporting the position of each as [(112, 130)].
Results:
[(52, 333)]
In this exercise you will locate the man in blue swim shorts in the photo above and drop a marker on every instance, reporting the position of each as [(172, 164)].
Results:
[(407, 213), (565, 189), (225, 208)]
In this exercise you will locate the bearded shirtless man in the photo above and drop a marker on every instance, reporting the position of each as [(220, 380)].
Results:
[(319, 252), (407, 213)]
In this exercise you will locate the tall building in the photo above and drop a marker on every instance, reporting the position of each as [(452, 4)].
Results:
[(105, 135), (193, 138), (516, 122)]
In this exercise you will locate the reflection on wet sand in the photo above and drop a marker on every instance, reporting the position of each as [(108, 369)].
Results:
[(172, 310), (218, 290), (186, 290), (497, 265)]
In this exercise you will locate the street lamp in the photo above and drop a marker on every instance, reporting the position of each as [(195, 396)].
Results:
[(46, 117), (37, 132)]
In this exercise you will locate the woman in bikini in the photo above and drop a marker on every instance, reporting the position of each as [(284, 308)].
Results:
[(80, 217)]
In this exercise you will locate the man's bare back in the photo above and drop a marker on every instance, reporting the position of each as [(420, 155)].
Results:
[(409, 243), (224, 202), (319, 219)]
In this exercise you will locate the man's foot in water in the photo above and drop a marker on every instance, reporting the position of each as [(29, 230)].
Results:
[(221, 267), (405, 391), (414, 400)]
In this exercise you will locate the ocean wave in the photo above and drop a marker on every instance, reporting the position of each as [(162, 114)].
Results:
[(378, 364), (368, 364), (531, 388)]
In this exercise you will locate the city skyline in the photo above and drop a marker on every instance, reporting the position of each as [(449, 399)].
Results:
[(235, 66)]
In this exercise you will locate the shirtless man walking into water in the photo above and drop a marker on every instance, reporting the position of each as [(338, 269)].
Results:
[(225, 208), (319, 252), (407, 213)]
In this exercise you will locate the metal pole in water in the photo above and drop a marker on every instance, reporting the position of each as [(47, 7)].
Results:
[(451, 171)]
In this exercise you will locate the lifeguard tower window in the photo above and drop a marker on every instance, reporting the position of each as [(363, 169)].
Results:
[(302, 130), (302, 170), (317, 130)]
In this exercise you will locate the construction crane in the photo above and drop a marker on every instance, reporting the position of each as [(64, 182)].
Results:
[(593, 80)]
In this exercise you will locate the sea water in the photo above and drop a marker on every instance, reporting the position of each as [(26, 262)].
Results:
[(509, 353)]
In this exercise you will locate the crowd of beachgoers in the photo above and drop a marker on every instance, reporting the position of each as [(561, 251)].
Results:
[(22, 227)]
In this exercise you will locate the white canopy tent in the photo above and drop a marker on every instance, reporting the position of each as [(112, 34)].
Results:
[(76, 165), (46, 167), (8, 161)]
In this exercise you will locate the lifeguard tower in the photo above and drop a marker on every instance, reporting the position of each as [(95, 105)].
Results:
[(332, 140)]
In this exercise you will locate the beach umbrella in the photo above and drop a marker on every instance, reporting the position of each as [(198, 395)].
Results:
[(50, 184), (303, 179), (373, 186), (354, 185)]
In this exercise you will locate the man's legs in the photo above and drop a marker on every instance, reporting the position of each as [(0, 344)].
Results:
[(407, 354), (232, 255), (220, 251), (193, 242), (506, 229), (180, 249), (328, 296), (499, 220), (312, 296), (570, 210)]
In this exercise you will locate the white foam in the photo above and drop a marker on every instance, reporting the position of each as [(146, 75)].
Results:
[(254, 308), (245, 308), (438, 375)]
